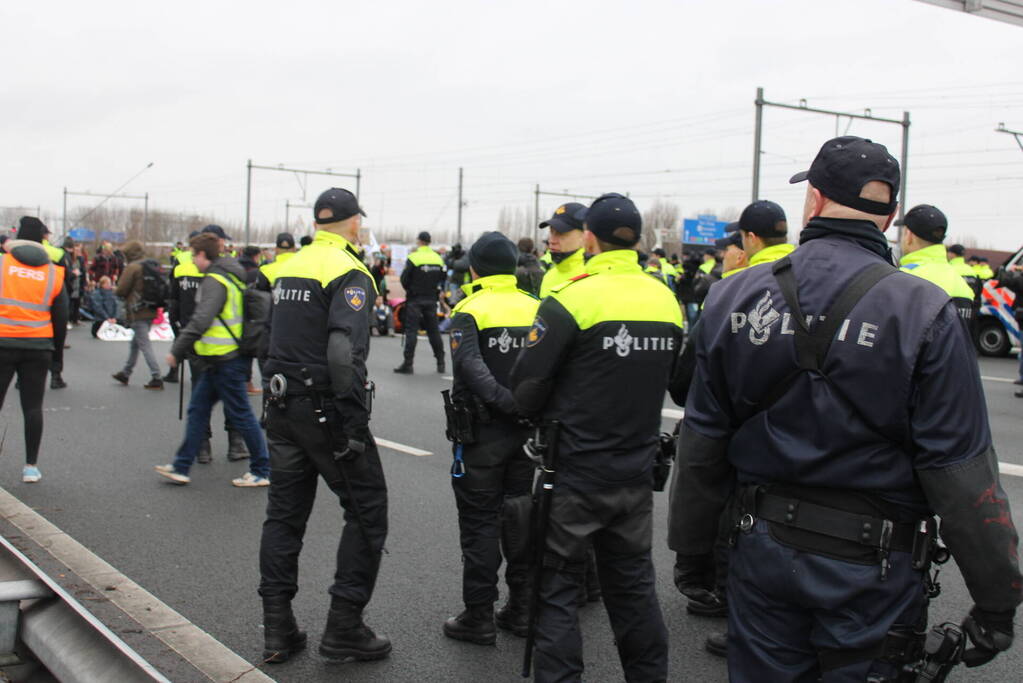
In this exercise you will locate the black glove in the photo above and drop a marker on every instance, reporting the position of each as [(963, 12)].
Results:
[(990, 633), (351, 435), (694, 575)]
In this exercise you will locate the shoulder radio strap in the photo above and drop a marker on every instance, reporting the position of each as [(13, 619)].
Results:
[(812, 346)]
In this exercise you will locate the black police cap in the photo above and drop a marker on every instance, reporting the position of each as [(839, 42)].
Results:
[(844, 165), (342, 204), (926, 222), (733, 239), (957, 249), (564, 218), (763, 218), (285, 240), (608, 214), (216, 230), (424, 237)]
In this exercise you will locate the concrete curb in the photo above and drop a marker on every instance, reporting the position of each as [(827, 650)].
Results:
[(199, 648)]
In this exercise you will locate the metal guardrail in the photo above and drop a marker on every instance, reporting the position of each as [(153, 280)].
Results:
[(73, 645)]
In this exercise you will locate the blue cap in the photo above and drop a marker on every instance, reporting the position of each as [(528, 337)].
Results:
[(613, 218)]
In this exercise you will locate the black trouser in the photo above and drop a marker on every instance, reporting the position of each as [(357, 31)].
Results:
[(421, 313), (496, 471), (299, 454), (619, 522), (31, 366), (75, 312)]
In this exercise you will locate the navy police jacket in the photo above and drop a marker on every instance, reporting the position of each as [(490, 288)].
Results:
[(903, 402)]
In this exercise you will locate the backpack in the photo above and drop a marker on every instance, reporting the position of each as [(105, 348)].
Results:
[(255, 317), (155, 288)]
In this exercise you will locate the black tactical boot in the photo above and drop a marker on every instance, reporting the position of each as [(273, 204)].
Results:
[(440, 364), (404, 369), (717, 644), (281, 636), (474, 625), (172, 375), (514, 616), (236, 449), (57, 382), (347, 638), (205, 453), (707, 603)]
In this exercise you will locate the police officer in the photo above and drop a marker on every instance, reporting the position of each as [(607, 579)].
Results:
[(423, 279), (59, 257), (319, 341), (184, 283), (597, 359), (956, 259), (492, 486), (762, 230), (284, 249), (825, 385), (733, 256), (924, 256), (667, 268), (565, 246)]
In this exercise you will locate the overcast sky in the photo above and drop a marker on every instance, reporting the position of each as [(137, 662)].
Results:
[(652, 98)]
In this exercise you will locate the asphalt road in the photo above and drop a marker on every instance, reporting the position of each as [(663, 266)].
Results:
[(195, 547)]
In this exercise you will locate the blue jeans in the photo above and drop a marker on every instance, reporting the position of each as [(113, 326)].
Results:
[(225, 382)]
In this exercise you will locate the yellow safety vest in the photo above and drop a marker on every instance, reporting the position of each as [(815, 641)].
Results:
[(496, 301), (269, 270), (931, 264), (570, 266), (217, 340)]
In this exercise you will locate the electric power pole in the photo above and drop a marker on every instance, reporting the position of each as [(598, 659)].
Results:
[(458, 231)]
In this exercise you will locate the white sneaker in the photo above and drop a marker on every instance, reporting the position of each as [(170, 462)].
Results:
[(250, 480), (31, 474), (169, 472)]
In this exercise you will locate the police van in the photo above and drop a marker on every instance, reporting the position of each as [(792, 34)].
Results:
[(998, 331)]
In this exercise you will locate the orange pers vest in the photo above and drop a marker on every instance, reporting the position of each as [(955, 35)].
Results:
[(26, 295)]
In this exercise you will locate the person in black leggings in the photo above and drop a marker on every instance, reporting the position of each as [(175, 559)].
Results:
[(23, 349), (31, 366)]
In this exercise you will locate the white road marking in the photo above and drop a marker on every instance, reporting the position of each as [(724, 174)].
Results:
[(448, 378), (672, 413), (394, 446), (1010, 469), (997, 379)]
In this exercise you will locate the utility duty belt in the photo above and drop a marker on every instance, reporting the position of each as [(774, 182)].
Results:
[(280, 388), (463, 418), (853, 528)]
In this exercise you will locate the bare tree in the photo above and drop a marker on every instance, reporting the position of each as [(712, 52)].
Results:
[(660, 220)]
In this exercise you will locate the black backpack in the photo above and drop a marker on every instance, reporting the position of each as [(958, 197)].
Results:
[(155, 288), (255, 317)]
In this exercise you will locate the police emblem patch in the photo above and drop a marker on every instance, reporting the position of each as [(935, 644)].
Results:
[(456, 339), (536, 333), (356, 297)]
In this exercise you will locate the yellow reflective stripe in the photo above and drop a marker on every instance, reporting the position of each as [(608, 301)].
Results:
[(217, 341)]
